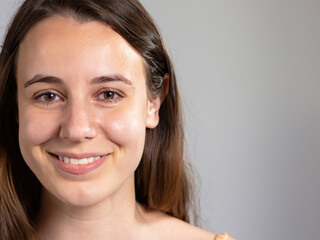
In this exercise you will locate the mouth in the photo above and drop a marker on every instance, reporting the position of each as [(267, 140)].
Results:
[(78, 163), (77, 159)]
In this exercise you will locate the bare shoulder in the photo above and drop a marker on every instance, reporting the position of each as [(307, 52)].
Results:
[(224, 236), (168, 227)]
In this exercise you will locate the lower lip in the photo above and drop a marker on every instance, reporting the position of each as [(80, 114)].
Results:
[(78, 169)]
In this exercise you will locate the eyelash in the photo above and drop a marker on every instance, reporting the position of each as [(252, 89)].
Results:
[(42, 94), (117, 96)]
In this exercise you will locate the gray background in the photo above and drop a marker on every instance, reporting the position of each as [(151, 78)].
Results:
[(249, 75)]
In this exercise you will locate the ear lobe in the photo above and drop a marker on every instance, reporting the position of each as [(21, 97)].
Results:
[(155, 103)]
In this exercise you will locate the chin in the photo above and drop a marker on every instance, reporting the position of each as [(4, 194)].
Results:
[(78, 196), (90, 193)]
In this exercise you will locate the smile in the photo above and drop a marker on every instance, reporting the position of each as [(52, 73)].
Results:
[(78, 164), (78, 161)]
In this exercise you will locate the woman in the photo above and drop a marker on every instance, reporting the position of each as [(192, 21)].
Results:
[(92, 136)]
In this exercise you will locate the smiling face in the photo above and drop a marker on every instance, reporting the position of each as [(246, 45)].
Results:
[(83, 109)]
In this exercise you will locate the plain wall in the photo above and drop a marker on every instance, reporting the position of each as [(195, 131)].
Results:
[(248, 72)]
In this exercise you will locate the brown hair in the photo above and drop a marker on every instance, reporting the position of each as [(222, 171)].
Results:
[(161, 179)]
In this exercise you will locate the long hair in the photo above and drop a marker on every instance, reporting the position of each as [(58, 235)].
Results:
[(162, 179)]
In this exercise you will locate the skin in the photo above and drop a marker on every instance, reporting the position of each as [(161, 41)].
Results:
[(77, 115)]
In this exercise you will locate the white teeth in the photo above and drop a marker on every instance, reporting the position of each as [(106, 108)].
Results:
[(78, 161), (74, 161), (83, 161)]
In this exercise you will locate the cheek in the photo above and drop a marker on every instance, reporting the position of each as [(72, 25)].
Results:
[(36, 128), (126, 126)]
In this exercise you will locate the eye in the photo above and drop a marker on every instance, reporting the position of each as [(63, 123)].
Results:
[(47, 97), (111, 96)]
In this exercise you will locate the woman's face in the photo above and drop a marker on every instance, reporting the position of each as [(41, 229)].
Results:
[(83, 109)]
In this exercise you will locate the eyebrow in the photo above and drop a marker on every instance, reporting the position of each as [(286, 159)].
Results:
[(39, 78), (42, 79), (111, 78)]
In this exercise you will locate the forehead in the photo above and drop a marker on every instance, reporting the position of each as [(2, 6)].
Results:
[(60, 45)]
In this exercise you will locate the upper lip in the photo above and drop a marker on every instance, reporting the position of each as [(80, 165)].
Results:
[(78, 155)]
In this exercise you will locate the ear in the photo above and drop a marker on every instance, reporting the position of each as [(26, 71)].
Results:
[(154, 103)]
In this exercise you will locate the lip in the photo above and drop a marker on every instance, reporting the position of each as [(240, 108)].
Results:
[(77, 155), (78, 169)]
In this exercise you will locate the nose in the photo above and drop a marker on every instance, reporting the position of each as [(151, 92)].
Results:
[(78, 124)]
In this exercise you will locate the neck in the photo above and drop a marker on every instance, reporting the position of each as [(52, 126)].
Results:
[(58, 220)]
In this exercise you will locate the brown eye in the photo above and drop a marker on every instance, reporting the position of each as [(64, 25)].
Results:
[(108, 95), (49, 97)]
